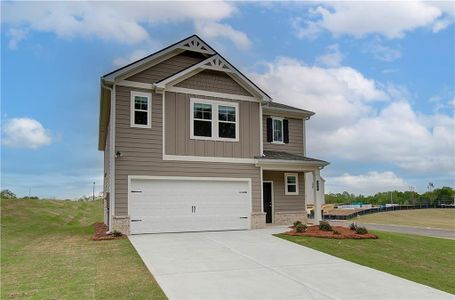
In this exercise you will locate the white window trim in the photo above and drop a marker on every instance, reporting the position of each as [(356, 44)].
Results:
[(286, 175), (149, 109), (273, 130), (215, 120)]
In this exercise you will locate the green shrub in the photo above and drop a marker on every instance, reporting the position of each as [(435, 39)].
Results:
[(353, 226), (361, 230), (116, 233), (325, 226), (300, 228), (296, 223), (336, 232)]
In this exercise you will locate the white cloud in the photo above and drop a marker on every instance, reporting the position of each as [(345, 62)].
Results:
[(25, 133), (381, 52), (214, 30), (15, 36), (367, 184), (389, 18), (123, 22), (349, 125), (332, 58)]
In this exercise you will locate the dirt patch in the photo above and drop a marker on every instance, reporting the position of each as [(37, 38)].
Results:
[(339, 232), (101, 234)]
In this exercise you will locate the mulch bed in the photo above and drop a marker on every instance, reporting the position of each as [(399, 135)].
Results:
[(101, 233), (344, 233)]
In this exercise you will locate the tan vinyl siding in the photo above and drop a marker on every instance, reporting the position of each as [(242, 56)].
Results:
[(213, 81), (178, 141), (295, 137), (141, 150), (282, 202), (166, 68)]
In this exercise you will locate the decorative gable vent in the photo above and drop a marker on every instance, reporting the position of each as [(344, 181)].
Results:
[(218, 64), (196, 45)]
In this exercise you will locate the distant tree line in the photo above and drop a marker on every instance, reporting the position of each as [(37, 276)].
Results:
[(444, 195), (8, 194)]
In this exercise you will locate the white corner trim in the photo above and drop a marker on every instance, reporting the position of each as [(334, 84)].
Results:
[(215, 159), (133, 109), (261, 132), (135, 84), (286, 175), (214, 121), (163, 124), (182, 90)]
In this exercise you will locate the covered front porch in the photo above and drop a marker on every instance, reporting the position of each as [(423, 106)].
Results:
[(289, 183)]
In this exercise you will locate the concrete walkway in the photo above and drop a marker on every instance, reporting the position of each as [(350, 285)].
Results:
[(426, 231), (256, 265)]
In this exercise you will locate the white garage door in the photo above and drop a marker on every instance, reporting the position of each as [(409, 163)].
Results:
[(164, 205)]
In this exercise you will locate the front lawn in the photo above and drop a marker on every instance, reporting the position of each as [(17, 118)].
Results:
[(426, 260), (46, 253)]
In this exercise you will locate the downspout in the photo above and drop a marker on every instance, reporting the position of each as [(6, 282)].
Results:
[(111, 155)]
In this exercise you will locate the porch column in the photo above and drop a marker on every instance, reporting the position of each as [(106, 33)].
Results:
[(317, 200)]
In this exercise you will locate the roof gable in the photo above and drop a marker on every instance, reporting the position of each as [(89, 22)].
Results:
[(213, 81), (192, 43)]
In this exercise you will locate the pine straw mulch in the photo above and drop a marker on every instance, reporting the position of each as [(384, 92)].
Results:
[(343, 233), (101, 233)]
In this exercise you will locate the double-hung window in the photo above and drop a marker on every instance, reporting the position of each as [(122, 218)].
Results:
[(277, 125), (202, 114), (291, 182), (141, 108), (214, 120)]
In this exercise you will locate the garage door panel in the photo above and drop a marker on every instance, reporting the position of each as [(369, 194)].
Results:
[(167, 205)]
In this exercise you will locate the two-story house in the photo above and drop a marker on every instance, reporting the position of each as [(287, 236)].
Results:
[(191, 144)]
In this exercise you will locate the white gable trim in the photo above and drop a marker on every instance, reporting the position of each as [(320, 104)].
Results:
[(192, 43), (216, 63)]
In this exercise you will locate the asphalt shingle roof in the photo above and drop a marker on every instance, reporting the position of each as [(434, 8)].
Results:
[(274, 104), (281, 155)]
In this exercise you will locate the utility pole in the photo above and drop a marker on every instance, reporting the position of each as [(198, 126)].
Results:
[(93, 195)]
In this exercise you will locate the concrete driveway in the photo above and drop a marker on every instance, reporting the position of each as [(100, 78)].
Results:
[(256, 265)]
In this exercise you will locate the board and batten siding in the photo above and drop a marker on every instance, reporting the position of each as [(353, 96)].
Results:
[(296, 133), (142, 148), (178, 141), (282, 202), (167, 68), (213, 81)]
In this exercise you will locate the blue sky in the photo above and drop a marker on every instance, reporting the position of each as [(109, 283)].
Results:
[(380, 77)]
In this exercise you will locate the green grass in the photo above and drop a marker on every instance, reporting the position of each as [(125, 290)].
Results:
[(435, 218), (426, 260), (46, 253)]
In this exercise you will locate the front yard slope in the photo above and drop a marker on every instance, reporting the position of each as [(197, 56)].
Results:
[(46, 253)]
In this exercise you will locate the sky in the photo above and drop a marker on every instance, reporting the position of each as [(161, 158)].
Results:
[(380, 77)]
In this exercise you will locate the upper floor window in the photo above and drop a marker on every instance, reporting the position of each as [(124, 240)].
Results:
[(214, 120), (291, 181), (141, 108), (277, 130)]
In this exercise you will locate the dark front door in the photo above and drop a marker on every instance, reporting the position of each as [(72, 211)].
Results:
[(267, 199)]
